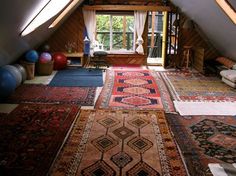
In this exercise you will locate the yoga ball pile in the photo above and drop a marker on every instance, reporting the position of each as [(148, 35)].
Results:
[(60, 61), (11, 76)]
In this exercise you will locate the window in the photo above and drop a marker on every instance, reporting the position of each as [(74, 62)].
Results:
[(43, 13), (115, 31), (228, 7)]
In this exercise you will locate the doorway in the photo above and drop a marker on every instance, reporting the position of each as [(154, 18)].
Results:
[(156, 38)]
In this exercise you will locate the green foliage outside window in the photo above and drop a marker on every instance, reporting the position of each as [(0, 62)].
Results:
[(105, 31)]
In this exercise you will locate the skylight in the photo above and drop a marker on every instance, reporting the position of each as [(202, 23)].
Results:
[(228, 9), (50, 9), (67, 9)]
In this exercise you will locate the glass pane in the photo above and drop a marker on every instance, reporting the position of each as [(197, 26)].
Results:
[(103, 23), (117, 23), (104, 38), (129, 24), (117, 32), (117, 41)]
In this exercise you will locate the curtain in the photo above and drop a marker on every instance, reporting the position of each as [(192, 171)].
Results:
[(90, 23), (139, 20)]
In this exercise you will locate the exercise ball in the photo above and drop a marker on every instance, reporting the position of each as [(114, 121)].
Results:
[(60, 61), (31, 56), (7, 83), (22, 71), (45, 57), (15, 72)]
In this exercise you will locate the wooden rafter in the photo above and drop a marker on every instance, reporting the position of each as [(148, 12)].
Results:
[(126, 8)]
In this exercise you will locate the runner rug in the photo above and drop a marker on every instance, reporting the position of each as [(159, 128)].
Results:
[(204, 140), (106, 142), (31, 136), (195, 94), (32, 93), (129, 89)]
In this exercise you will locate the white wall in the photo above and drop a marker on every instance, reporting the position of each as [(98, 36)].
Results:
[(13, 16), (216, 25)]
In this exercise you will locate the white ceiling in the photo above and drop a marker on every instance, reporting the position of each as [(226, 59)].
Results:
[(216, 25)]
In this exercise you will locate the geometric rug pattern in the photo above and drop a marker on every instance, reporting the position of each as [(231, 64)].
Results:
[(204, 140), (31, 136), (188, 86), (33, 93), (107, 142), (130, 89)]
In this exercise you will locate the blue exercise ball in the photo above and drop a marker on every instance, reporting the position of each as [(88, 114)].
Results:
[(31, 56), (15, 72), (22, 71), (7, 83)]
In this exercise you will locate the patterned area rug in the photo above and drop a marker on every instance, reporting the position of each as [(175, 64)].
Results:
[(32, 93), (186, 86), (113, 143), (31, 136), (195, 94), (129, 89), (204, 140)]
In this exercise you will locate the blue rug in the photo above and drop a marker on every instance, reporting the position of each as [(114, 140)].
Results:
[(77, 77)]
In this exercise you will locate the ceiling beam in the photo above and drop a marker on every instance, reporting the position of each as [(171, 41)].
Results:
[(126, 8)]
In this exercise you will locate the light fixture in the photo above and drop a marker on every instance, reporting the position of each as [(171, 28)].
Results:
[(228, 9), (50, 9), (67, 9), (188, 24)]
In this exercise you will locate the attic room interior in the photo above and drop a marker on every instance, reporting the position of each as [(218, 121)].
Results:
[(102, 87)]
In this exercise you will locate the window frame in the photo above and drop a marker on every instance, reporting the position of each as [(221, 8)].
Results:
[(111, 31)]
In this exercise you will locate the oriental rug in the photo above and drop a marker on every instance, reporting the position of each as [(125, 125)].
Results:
[(204, 140), (106, 142), (195, 94), (129, 89), (31, 136), (32, 93), (77, 77)]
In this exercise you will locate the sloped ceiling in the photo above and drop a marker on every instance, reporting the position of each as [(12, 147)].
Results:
[(13, 16), (215, 24)]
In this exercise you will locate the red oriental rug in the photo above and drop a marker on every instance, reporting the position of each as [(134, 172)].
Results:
[(110, 143), (31, 136), (129, 89), (32, 93), (204, 140)]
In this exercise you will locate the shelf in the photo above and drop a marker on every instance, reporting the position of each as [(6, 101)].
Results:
[(74, 57)]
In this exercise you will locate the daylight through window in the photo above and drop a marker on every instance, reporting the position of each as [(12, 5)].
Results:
[(115, 31)]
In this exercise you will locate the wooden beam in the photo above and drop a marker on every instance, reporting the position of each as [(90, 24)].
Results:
[(153, 28), (126, 8)]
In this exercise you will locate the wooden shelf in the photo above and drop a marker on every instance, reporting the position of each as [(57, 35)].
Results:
[(75, 56)]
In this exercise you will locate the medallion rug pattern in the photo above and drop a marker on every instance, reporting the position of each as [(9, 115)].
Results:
[(32, 93), (134, 89), (31, 136), (204, 140), (107, 142), (188, 86)]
